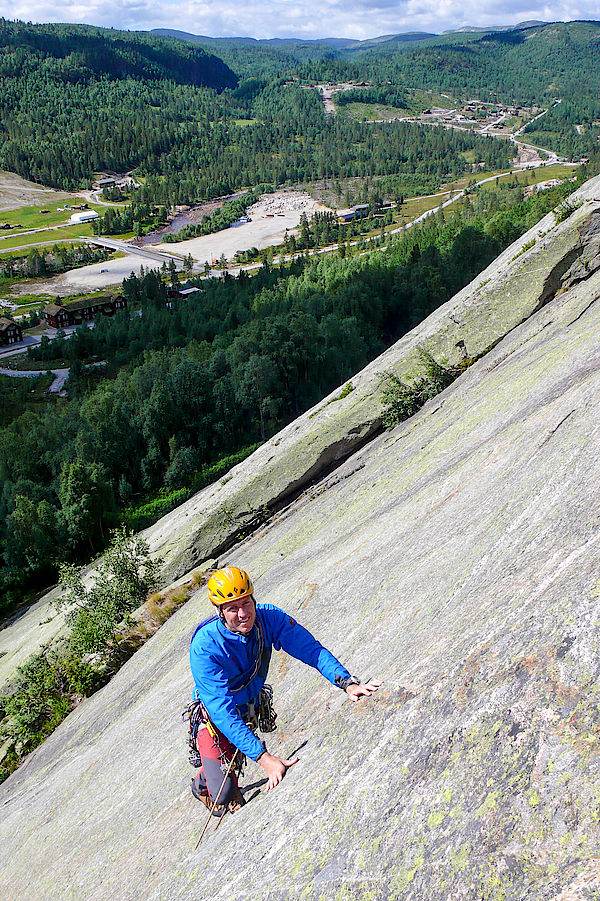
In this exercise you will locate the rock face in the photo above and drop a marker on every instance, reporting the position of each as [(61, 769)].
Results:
[(542, 263), (456, 557)]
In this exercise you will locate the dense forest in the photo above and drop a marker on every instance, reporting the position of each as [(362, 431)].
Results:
[(78, 100), (202, 379)]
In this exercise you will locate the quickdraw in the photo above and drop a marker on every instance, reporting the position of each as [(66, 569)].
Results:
[(193, 714), (265, 710)]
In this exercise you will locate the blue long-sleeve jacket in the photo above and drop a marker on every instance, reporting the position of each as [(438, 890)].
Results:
[(222, 660)]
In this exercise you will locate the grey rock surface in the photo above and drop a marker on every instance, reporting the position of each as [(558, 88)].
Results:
[(456, 557), (520, 281)]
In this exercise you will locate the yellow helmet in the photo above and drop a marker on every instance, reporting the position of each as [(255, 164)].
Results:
[(229, 584)]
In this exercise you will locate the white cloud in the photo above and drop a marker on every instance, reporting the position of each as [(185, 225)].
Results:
[(287, 18)]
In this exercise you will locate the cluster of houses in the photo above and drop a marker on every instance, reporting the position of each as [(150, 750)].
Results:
[(123, 182), (76, 312), (360, 211), (57, 315)]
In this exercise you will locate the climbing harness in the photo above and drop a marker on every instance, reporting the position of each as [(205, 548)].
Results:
[(260, 713), (197, 716)]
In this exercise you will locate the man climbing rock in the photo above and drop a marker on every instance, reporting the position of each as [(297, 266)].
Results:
[(230, 655)]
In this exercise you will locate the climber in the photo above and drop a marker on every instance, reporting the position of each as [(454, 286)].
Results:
[(230, 655)]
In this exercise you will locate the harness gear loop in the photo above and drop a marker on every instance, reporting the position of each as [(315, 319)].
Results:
[(194, 715)]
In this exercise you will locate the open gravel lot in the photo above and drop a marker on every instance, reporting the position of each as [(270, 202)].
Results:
[(16, 192), (271, 216)]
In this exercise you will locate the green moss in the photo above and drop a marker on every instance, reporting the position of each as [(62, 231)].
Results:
[(346, 390), (436, 818), (524, 248), (490, 803), (459, 859), (404, 878)]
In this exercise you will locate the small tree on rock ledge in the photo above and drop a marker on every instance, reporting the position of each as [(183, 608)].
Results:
[(125, 576)]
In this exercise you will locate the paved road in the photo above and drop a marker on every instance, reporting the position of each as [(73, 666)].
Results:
[(60, 376), (125, 247), (35, 231), (41, 244), (262, 232), (551, 155), (35, 340)]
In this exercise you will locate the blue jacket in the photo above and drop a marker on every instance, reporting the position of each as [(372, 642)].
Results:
[(222, 660)]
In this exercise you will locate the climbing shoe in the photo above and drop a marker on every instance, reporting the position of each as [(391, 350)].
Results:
[(236, 802), (202, 795)]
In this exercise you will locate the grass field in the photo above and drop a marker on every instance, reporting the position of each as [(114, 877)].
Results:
[(421, 100), (32, 217), (27, 308), (415, 207), (372, 112), (45, 216), (24, 363), (524, 176), (547, 139), (21, 300), (47, 237), (412, 209), (21, 250), (35, 388), (34, 299)]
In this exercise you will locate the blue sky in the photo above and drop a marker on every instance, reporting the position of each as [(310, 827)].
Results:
[(287, 18)]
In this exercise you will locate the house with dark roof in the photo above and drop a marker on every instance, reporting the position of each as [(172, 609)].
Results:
[(86, 309), (10, 332)]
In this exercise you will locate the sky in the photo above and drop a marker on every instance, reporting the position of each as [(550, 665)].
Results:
[(359, 19)]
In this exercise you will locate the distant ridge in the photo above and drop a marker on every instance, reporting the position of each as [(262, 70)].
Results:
[(335, 43), (532, 23)]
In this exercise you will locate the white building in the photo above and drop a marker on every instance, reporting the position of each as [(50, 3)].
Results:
[(83, 216)]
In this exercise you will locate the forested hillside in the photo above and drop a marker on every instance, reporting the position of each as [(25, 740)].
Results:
[(77, 99), (80, 100), (526, 66), (530, 66)]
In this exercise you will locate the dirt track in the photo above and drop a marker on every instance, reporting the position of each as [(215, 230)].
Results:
[(16, 192)]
